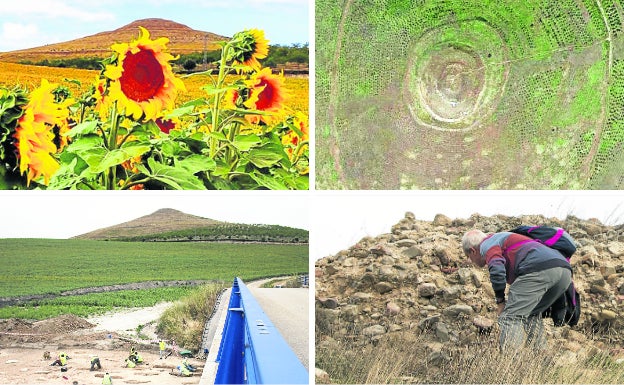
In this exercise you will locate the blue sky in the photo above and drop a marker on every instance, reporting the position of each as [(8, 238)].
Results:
[(32, 23)]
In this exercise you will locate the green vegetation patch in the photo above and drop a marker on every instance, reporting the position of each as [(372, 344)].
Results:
[(40, 266), (230, 232), (93, 304)]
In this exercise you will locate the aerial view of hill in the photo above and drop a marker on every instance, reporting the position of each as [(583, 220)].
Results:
[(182, 39), (451, 88)]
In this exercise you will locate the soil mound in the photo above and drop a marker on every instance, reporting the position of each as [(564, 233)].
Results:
[(19, 330), (61, 324)]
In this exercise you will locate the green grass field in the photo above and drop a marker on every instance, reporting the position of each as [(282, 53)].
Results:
[(41, 266), (97, 303)]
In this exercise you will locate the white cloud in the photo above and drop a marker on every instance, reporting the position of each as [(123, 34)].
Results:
[(17, 36), (53, 9)]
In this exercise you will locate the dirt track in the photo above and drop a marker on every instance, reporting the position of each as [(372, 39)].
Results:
[(22, 345)]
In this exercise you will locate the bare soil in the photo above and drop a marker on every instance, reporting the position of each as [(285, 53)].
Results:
[(23, 343)]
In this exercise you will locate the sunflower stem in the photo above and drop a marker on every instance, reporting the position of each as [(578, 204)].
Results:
[(214, 142), (230, 151), (112, 145)]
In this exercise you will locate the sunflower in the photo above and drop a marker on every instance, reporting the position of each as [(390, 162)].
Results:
[(267, 94), (142, 81), (249, 46), (292, 139), (35, 132)]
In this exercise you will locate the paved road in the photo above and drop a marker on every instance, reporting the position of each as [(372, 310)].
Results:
[(288, 310)]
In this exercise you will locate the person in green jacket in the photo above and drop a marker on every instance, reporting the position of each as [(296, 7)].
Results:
[(107, 380), (61, 360), (184, 371), (95, 361), (162, 346)]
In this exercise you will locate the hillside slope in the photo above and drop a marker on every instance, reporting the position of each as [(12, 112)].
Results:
[(415, 284), (160, 221), (182, 39)]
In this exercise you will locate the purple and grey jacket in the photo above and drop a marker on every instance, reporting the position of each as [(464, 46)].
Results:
[(510, 255)]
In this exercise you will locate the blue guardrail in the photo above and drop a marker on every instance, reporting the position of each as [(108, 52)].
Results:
[(252, 351)]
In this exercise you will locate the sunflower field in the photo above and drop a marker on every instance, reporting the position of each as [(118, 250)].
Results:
[(137, 125)]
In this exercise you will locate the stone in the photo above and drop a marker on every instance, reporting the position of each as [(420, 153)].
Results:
[(387, 260), (350, 262), (442, 332), (443, 254), (476, 279), (598, 289), (349, 312), (427, 290), (331, 270), (374, 330), (442, 220), (483, 324), (456, 310), (328, 303), (413, 252), (360, 297), (451, 292), (606, 315), (392, 308), (606, 271), (321, 376), (380, 249), (465, 275), (366, 281), (383, 287), (616, 248), (592, 229), (429, 322), (386, 271), (406, 242), (395, 328)]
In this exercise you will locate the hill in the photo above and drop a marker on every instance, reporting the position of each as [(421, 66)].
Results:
[(182, 40), (168, 225), (160, 221), (415, 286)]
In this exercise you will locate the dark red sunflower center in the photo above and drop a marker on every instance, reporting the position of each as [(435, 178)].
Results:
[(266, 98), (142, 76), (165, 125)]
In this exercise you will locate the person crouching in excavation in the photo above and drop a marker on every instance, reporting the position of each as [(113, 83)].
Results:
[(128, 363), (95, 361), (537, 276), (61, 360), (183, 371)]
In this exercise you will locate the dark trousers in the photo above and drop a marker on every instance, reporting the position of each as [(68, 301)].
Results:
[(94, 363)]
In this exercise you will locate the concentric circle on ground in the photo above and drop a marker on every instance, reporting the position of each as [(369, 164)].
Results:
[(456, 75)]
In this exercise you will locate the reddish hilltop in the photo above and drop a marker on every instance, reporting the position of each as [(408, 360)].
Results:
[(160, 221), (182, 39)]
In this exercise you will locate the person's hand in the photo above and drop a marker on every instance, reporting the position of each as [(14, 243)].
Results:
[(499, 308)]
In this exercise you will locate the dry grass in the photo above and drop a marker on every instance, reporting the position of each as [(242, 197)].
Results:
[(409, 358)]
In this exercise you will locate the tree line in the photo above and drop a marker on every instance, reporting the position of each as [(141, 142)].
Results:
[(227, 232), (278, 54)]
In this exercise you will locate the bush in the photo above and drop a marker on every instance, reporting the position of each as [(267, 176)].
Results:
[(184, 321)]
